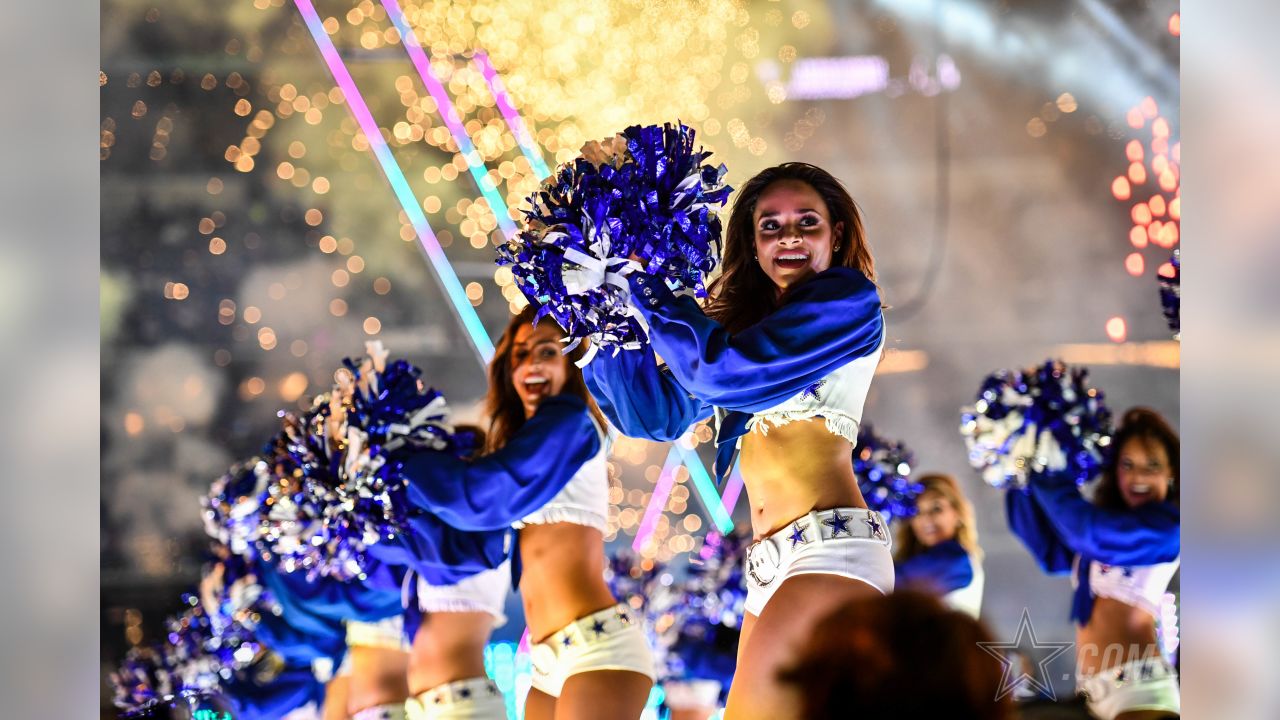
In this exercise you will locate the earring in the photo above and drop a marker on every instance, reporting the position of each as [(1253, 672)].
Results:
[(836, 249)]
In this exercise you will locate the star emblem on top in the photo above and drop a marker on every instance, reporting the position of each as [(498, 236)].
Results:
[(597, 627), (838, 524), (1007, 653), (797, 536), (812, 391), (877, 529)]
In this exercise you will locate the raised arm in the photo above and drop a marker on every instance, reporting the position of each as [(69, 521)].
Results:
[(1028, 521), (828, 321), (496, 490), (1144, 535), (942, 568), (640, 398)]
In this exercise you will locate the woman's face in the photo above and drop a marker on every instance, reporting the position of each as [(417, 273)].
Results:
[(1143, 472), (793, 232), (936, 519), (538, 368)]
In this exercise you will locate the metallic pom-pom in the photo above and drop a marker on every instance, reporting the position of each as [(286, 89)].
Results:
[(1042, 419)]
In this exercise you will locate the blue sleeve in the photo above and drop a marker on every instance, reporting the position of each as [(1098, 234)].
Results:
[(942, 568), (1029, 522), (641, 399), (827, 322), (434, 549), (493, 491), (293, 688), (301, 639), (1144, 535), (323, 600)]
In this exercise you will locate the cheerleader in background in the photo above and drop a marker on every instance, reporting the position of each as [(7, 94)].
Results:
[(371, 674), (937, 548), (452, 589), (784, 355), (545, 472), (294, 675), (1122, 550)]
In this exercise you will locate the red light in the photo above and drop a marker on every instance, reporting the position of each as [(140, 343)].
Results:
[(1175, 208), (1157, 205), (1160, 128), (1149, 107), (1166, 270), (1175, 24), (1135, 264), (1135, 119), (1141, 214), (1133, 151), (1138, 236), (1137, 173), (1168, 181), (1120, 188), (1116, 329)]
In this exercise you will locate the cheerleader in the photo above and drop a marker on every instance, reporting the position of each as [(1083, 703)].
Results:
[(451, 585), (545, 472), (1122, 550), (937, 548), (783, 355), (370, 678)]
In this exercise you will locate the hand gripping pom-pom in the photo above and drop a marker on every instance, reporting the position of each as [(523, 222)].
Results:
[(338, 486), (883, 469), (639, 200), (1043, 419)]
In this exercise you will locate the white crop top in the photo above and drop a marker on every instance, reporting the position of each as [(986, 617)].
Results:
[(968, 599), (1142, 586), (838, 398), (585, 500)]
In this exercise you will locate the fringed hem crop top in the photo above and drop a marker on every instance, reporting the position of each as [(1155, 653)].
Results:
[(584, 500), (812, 356)]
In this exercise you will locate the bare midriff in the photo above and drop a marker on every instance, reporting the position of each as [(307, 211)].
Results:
[(795, 468), (563, 576), (1117, 633)]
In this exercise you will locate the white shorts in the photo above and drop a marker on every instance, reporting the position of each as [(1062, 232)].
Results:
[(486, 591), (849, 542), (387, 634), (1147, 684), (471, 699), (691, 694), (610, 639)]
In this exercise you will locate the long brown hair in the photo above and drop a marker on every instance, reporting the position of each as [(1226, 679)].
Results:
[(1146, 425), (502, 402), (966, 531), (743, 295)]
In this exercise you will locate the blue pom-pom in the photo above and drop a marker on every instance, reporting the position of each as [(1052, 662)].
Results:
[(643, 199), (692, 623), (337, 483), (1171, 292), (1043, 419), (883, 468), (203, 648), (233, 509)]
